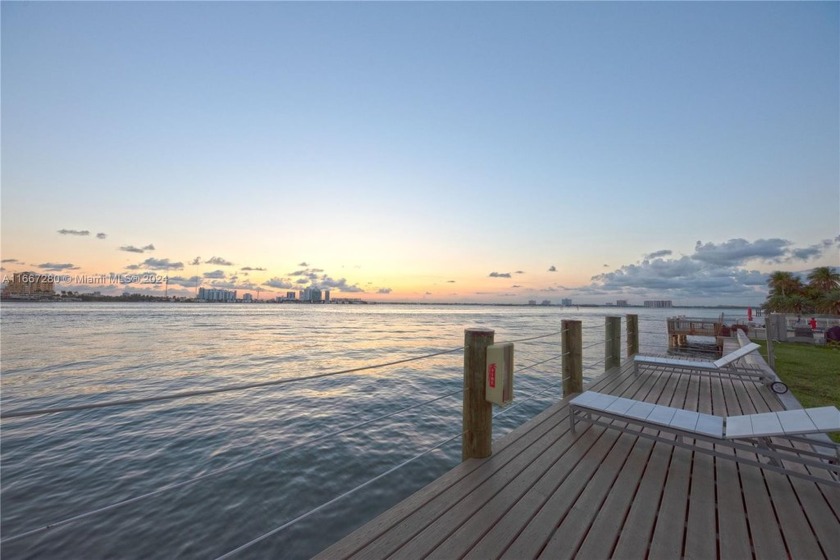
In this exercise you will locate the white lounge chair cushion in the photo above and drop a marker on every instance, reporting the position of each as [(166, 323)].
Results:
[(784, 423), (699, 364)]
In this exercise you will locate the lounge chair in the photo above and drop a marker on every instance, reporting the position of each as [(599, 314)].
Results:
[(724, 366), (755, 433)]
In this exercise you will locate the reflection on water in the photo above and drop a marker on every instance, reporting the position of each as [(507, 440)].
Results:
[(57, 466)]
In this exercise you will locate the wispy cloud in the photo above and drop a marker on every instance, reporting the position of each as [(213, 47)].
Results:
[(161, 264), (74, 232), (552, 268), (658, 254), (195, 261), (101, 235), (10, 260), (252, 269), (499, 275), (215, 274), (57, 266), (279, 283), (219, 261), (383, 291), (131, 249), (186, 282)]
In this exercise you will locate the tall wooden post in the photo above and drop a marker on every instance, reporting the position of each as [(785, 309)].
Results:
[(478, 413), (632, 335), (771, 355), (612, 348), (572, 357)]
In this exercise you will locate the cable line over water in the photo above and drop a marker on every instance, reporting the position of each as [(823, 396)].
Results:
[(187, 394), (211, 474)]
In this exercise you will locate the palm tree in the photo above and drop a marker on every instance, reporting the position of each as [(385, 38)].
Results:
[(824, 279), (784, 284)]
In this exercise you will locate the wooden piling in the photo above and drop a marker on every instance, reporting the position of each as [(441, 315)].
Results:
[(632, 335), (572, 357), (478, 413), (612, 346)]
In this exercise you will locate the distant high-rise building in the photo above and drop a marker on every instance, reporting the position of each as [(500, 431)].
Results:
[(658, 303), (326, 296), (621, 303), (212, 294), (247, 298), (311, 295), (30, 285), (566, 302), (290, 296)]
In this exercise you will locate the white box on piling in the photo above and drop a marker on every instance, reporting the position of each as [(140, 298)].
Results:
[(499, 379)]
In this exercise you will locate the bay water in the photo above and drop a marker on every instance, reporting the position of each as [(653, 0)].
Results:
[(61, 466)]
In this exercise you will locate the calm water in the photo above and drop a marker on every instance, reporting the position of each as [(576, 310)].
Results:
[(58, 466)]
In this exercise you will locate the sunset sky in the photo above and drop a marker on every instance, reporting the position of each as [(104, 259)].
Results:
[(451, 152)]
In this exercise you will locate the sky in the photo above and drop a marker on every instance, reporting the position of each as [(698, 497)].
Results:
[(440, 152)]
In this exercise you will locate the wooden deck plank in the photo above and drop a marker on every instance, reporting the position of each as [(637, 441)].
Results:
[(500, 530), (575, 526), (601, 493), (605, 531), (606, 527), (509, 460), (532, 539), (462, 525), (763, 525), (510, 446), (702, 498), (734, 537)]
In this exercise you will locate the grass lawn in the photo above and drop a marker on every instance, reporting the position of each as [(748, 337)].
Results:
[(812, 372)]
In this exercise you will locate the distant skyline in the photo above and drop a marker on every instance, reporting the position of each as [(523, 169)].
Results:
[(439, 152)]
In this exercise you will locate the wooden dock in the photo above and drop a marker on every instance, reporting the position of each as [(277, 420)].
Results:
[(548, 493)]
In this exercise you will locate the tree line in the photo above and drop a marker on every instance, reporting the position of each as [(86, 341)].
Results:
[(789, 294)]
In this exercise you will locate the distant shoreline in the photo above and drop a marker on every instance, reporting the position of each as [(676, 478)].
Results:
[(407, 303)]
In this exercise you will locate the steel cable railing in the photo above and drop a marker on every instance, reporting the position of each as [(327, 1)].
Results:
[(187, 394), (215, 473), (337, 498)]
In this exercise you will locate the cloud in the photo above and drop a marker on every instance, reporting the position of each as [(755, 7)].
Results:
[(252, 268), (658, 254), (812, 252), (219, 261), (686, 277), (516, 286), (149, 247), (215, 274), (57, 266), (74, 232), (303, 264), (519, 272), (279, 283), (499, 275), (131, 249), (196, 261), (552, 268), (450, 281), (161, 264), (736, 252), (185, 282), (325, 282), (383, 291), (101, 235), (10, 260)]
